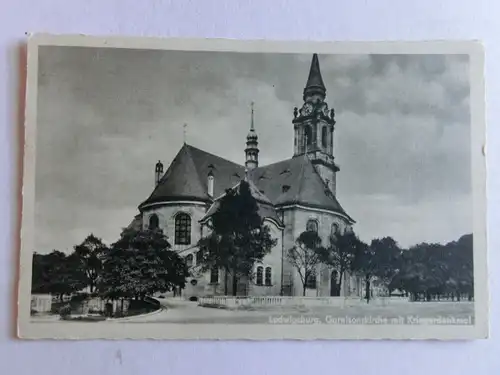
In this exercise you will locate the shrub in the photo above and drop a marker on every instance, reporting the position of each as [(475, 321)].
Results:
[(65, 311), (80, 297)]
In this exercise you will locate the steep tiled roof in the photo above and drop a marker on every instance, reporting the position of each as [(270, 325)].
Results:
[(187, 176), (295, 181)]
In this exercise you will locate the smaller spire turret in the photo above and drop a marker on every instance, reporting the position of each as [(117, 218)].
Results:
[(158, 172), (252, 150)]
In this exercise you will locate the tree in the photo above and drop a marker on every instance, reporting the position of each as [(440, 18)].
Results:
[(238, 236), (89, 255), (379, 260), (56, 273), (429, 271), (340, 253), (139, 264), (304, 256)]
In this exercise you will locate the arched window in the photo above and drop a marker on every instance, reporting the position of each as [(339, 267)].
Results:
[(324, 137), (335, 229), (308, 137), (311, 280), (182, 229), (214, 275), (268, 276), (154, 222), (189, 260), (312, 226), (260, 275)]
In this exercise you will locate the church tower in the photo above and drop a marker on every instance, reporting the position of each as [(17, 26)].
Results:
[(252, 150), (314, 126)]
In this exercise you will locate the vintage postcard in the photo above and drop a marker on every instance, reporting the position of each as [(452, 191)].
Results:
[(223, 189)]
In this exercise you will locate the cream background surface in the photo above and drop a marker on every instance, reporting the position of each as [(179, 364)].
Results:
[(323, 20)]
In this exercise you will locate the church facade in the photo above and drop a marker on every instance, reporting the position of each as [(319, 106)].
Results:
[(293, 195)]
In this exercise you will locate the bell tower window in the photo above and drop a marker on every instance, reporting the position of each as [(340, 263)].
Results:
[(308, 137), (324, 138)]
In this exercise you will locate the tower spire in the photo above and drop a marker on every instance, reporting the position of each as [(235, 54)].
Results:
[(314, 85), (252, 150)]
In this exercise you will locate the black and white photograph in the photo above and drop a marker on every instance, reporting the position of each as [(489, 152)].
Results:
[(223, 189)]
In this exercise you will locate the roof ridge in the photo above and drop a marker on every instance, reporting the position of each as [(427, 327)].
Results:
[(213, 155), (330, 195), (301, 177)]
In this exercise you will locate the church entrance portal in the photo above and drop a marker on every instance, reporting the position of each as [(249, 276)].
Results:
[(334, 287)]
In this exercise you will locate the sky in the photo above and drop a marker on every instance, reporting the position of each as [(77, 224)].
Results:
[(106, 116)]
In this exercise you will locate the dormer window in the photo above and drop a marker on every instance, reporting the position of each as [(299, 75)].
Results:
[(210, 184), (285, 188)]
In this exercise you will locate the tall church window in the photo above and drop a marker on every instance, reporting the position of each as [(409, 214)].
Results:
[(182, 229), (199, 257), (268, 276), (260, 275), (311, 280), (312, 226), (335, 229), (189, 260), (154, 222), (324, 137), (214, 275)]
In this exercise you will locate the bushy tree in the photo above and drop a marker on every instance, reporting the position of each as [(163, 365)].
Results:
[(238, 237), (139, 264), (56, 273), (379, 260), (430, 271), (305, 256), (340, 253), (89, 257)]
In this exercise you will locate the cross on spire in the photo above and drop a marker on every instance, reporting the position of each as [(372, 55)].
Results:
[(184, 130)]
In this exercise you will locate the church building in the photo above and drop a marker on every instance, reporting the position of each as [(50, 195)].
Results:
[(293, 195)]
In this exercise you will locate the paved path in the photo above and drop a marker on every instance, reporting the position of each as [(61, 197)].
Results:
[(179, 311)]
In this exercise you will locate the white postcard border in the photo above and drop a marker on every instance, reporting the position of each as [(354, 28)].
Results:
[(124, 330)]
